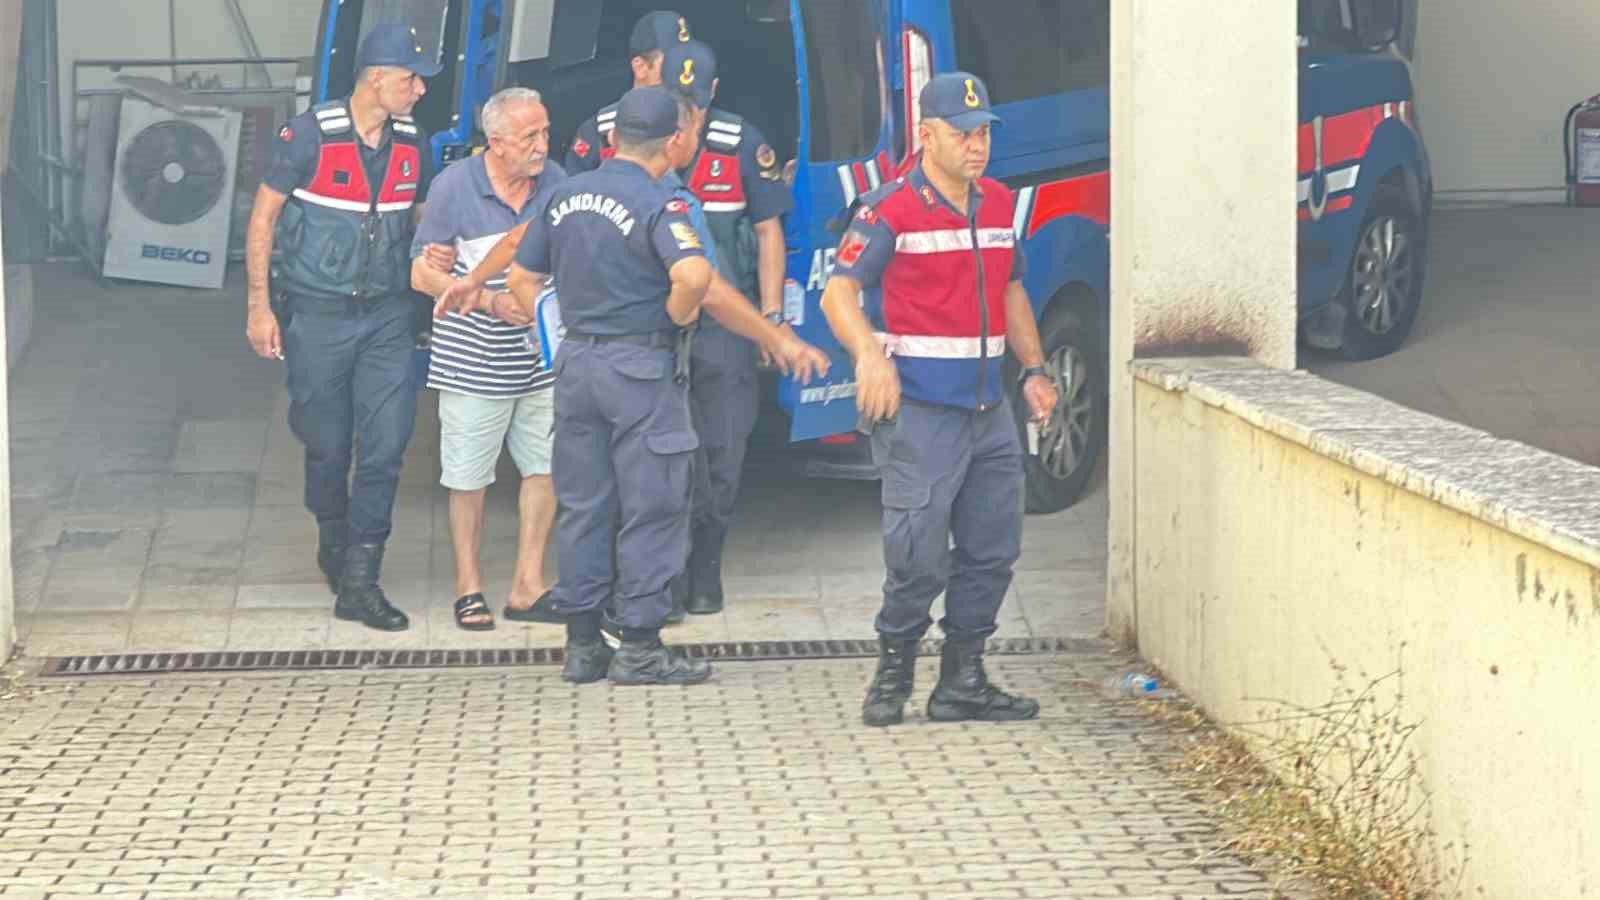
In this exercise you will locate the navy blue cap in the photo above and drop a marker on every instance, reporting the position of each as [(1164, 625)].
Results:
[(959, 98), (647, 113), (657, 30), (396, 45), (690, 67)]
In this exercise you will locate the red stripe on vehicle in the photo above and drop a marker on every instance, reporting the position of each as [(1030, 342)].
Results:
[(886, 166), (1088, 196)]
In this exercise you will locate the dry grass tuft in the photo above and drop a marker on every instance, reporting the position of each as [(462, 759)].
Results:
[(1329, 797)]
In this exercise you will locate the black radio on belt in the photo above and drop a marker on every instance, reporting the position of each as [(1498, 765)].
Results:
[(682, 351)]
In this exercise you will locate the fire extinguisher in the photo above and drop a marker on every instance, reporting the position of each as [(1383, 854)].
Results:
[(1580, 146)]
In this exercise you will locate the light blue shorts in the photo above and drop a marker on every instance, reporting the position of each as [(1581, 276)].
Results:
[(473, 429)]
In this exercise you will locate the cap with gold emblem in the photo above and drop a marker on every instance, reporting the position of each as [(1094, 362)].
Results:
[(396, 45), (690, 67), (657, 30), (959, 98)]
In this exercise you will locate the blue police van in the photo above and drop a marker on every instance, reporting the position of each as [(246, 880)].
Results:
[(832, 84)]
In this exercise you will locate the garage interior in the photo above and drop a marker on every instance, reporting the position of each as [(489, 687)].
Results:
[(155, 487)]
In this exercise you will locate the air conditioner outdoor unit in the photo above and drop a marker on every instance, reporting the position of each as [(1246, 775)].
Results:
[(172, 185)]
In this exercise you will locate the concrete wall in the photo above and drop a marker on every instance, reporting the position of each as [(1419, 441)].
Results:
[(1494, 80), (10, 34), (1194, 269), (1281, 518)]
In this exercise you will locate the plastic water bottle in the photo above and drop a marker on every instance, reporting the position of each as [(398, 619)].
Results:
[(1135, 685)]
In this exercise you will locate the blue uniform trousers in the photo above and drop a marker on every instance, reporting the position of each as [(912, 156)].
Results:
[(723, 398), (948, 473), (623, 453), (352, 388)]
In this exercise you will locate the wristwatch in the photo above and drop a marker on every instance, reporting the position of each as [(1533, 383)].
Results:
[(774, 317), (1031, 371)]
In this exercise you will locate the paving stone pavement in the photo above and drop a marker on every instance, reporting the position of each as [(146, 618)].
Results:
[(497, 783)]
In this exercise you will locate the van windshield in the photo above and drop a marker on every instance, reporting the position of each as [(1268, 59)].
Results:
[(1336, 26), (845, 75)]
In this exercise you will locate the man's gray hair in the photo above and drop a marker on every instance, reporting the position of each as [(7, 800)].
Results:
[(492, 119)]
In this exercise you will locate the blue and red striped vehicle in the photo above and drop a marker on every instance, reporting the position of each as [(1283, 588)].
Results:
[(831, 84)]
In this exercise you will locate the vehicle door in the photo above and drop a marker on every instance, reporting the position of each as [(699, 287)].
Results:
[(845, 137)]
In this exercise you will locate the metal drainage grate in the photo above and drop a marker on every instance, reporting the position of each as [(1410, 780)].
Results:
[(293, 660)]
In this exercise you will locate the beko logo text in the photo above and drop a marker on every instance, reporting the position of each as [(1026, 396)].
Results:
[(175, 254)]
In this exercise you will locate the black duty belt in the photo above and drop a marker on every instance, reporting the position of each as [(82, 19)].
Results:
[(666, 339)]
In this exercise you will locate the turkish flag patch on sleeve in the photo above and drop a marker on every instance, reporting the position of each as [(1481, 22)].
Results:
[(850, 249), (580, 147)]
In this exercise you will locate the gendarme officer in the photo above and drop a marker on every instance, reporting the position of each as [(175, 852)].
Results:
[(347, 180), (935, 254), (739, 182), (652, 34), (631, 271)]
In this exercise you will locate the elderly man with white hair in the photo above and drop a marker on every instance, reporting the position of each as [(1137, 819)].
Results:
[(493, 388)]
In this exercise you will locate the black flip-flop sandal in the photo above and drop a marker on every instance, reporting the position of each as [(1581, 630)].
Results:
[(470, 606), (542, 611)]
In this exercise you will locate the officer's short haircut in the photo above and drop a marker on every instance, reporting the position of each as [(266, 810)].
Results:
[(492, 118), (645, 148)]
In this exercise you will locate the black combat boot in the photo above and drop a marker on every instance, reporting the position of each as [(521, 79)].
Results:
[(964, 691), (588, 657), (891, 687), (331, 537), (360, 598), (705, 570), (643, 659)]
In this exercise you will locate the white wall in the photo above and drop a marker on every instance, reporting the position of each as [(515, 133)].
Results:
[(1193, 269), (1286, 523), (1494, 80), (138, 29)]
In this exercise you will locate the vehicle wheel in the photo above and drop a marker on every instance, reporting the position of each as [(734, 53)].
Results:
[(1070, 443), (1383, 288)]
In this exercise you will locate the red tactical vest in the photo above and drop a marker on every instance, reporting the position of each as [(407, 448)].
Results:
[(942, 314)]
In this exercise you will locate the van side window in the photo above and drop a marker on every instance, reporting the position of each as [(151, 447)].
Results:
[(1024, 49), (844, 71)]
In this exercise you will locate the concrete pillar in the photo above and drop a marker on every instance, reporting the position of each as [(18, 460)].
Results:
[(10, 37), (1203, 144)]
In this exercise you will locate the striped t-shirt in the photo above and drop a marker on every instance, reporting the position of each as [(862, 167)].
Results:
[(476, 353)]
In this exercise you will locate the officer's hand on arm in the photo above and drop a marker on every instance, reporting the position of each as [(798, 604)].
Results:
[(463, 293), (877, 381), (440, 257), (261, 326), (1022, 334), (505, 307)]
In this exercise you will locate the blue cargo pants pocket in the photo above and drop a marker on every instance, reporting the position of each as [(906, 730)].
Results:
[(908, 545), (906, 540), (675, 450)]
